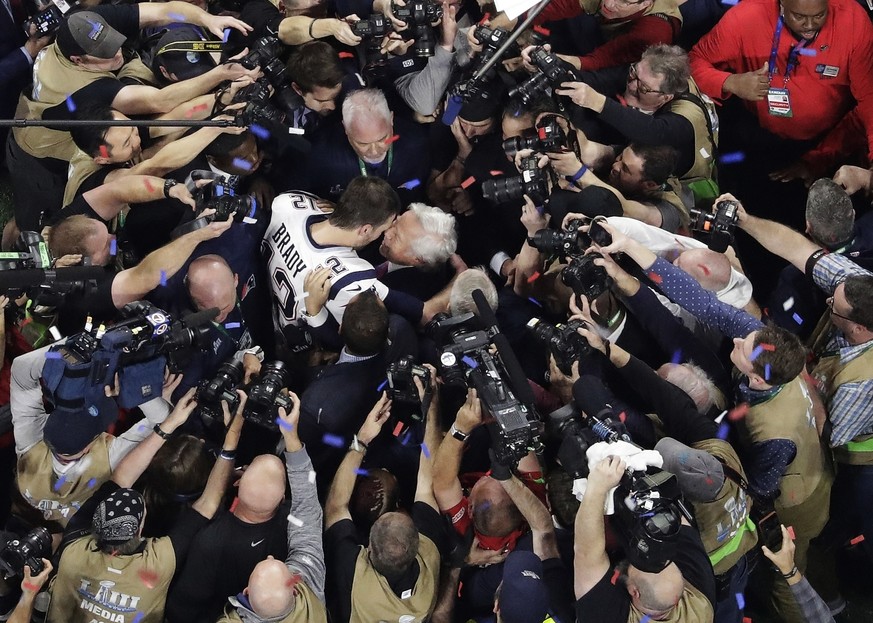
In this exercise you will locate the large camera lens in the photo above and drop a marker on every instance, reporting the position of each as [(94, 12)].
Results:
[(228, 377), (28, 550), (504, 189)]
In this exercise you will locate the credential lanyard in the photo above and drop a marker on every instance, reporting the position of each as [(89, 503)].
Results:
[(390, 162), (793, 53)]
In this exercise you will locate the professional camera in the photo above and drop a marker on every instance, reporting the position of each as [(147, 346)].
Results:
[(222, 388), (533, 182), (46, 17), (265, 54), (28, 550), (265, 396), (401, 384), (259, 108), (221, 197), (720, 226), (372, 30), (552, 72), (585, 277), (576, 435), (466, 359), (491, 40), (30, 251), (547, 137), (420, 16), (563, 341)]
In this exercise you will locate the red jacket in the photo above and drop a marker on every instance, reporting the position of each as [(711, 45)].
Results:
[(742, 40)]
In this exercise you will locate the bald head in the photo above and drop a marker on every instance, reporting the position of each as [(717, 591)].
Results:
[(211, 283), (655, 593), (494, 513), (271, 589), (710, 269), (262, 487)]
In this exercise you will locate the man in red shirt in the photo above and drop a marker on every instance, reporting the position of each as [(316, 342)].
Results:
[(798, 65)]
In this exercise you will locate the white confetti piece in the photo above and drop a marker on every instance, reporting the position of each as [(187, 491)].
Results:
[(312, 476), (788, 304), (294, 520), (111, 570)]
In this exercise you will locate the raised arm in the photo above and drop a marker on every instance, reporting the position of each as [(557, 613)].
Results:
[(108, 199), (447, 462), (432, 435), (535, 514)]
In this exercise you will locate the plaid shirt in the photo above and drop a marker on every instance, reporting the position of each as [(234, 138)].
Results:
[(814, 609), (850, 406)]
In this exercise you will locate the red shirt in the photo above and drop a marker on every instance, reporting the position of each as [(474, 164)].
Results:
[(742, 40)]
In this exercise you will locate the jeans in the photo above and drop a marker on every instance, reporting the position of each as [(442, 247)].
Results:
[(727, 608)]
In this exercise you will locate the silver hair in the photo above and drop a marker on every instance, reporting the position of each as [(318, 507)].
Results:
[(367, 103), (829, 212), (670, 61), (440, 239), (699, 387), (461, 297)]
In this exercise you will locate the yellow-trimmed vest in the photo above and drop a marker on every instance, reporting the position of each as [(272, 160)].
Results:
[(693, 606), (56, 77), (672, 194), (725, 528), (373, 600), (91, 585), (704, 145), (789, 414), (830, 374), (307, 609), (612, 28), (57, 498)]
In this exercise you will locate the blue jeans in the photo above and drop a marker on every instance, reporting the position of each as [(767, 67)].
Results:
[(852, 504), (727, 609)]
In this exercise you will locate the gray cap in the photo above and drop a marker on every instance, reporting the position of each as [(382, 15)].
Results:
[(86, 32), (701, 475)]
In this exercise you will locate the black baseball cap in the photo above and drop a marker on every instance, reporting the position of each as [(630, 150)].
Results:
[(184, 64)]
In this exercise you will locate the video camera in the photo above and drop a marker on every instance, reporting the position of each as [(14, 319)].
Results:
[(46, 17), (221, 197), (420, 16), (720, 226), (466, 359), (28, 550), (563, 341), (552, 72)]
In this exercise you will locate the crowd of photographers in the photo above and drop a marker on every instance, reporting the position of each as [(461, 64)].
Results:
[(436, 310)]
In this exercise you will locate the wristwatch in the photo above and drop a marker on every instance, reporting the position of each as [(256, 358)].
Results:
[(168, 184), (357, 445), (457, 434)]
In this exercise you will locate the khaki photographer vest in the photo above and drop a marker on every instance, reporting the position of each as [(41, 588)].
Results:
[(693, 607), (789, 415), (831, 374), (308, 609), (58, 498), (727, 515), (373, 601), (86, 587), (662, 8), (54, 78), (704, 144), (82, 166)]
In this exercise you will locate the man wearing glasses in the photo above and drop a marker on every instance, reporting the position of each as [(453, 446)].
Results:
[(843, 344)]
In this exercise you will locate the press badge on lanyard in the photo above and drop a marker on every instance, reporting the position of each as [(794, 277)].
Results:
[(778, 100)]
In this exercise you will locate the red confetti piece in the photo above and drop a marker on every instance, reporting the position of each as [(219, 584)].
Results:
[(767, 347), (857, 539), (542, 30), (293, 580), (738, 412), (103, 151), (533, 277), (149, 578), (622, 417), (197, 108), (705, 270), (615, 577), (495, 172), (234, 504), (398, 428), (391, 139), (655, 277), (467, 182), (790, 530), (346, 55), (747, 619), (148, 185)]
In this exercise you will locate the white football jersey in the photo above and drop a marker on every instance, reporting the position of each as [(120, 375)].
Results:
[(291, 253)]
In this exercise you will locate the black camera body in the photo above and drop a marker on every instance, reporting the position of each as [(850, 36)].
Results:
[(552, 72), (533, 182), (372, 30), (265, 396), (221, 197), (401, 383), (547, 137), (564, 342), (585, 278), (28, 550), (720, 226), (419, 16), (491, 40), (265, 54), (221, 388)]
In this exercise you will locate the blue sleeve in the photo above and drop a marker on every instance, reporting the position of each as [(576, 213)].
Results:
[(13, 67), (683, 290), (768, 463), (405, 305)]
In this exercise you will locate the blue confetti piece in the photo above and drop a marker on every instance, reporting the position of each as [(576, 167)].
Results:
[(60, 483), (71, 105), (807, 51), (646, 619), (535, 302), (92, 483), (242, 163), (723, 431), (425, 450), (163, 277), (232, 325), (756, 353), (53, 354), (406, 437), (333, 440), (113, 247), (732, 157), (226, 34), (138, 618), (411, 184), (259, 131), (677, 357), (741, 601), (797, 319), (730, 2), (176, 17), (362, 472), (283, 424), (470, 362), (767, 372), (382, 385)]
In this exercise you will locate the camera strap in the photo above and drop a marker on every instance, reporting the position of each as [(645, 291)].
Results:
[(196, 45)]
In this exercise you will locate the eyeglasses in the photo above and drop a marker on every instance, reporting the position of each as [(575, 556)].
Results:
[(829, 301), (642, 89)]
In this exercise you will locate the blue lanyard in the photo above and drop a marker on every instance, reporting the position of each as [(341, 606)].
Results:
[(793, 53)]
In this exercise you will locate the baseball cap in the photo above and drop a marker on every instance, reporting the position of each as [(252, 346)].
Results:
[(118, 517), (700, 474), (523, 597), (484, 105), (183, 64), (69, 431), (86, 32)]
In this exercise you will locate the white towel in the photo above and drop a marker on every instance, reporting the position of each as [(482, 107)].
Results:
[(636, 459)]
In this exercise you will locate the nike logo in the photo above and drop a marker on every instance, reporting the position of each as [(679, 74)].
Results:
[(357, 288), (256, 543)]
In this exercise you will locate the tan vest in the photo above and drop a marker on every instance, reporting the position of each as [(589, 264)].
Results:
[(307, 609), (725, 528), (693, 607), (82, 166), (54, 78), (831, 374), (704, 146), (789, 415), (91, 585), (373, 601), (672, 195), (59, 498), (665, 8)]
